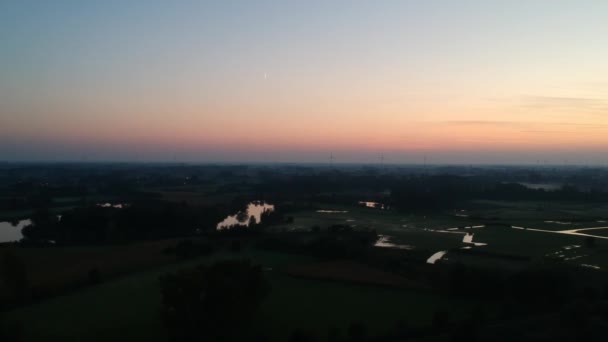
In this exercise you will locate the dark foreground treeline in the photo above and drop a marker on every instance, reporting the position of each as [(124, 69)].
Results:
[(141, 221)]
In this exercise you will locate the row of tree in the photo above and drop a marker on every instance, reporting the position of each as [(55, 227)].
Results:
[(140, 221)]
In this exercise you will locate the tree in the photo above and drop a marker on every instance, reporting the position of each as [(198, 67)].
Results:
[(300, 336), (242, 216), (252, 222), (333, 334), (357, 331), (212, 301), (11, 331), (440, 320)]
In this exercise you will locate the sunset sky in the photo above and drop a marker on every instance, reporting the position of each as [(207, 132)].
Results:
[(293, 81)]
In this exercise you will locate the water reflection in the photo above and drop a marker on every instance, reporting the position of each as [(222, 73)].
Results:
[(376, 205), (435, 257), (10, 232), (110, 205), (254, 209), (543, 186), (559, 222), (384, 241), (332, 211), (468, 238), (595, 267), (577, 232)]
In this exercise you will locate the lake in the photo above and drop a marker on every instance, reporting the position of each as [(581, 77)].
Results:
[(9, 232), (254, 209)]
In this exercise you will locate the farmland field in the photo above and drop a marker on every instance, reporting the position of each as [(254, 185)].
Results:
[(117, 310)]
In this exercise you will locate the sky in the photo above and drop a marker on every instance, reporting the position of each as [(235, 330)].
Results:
[(522, 81)]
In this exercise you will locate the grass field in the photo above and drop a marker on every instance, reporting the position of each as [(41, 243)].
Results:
[(56, 269), (27, 213), (420, 232), (543, 215), (127, 309)]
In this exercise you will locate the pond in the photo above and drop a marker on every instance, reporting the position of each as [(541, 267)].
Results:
[(254, 209), (10, 232), (385, 242), (437, 256), (468, 238), (376, 205)]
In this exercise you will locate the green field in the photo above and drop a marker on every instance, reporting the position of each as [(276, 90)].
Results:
[(56, 269), (420, 232), (127, 309)]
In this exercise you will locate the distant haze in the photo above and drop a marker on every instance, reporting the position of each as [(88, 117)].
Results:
[(294, 81)]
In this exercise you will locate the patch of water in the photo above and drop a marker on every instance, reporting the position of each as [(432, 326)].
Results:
[(435, 257), (254, 209), (10, 232), (559, 222), (595, 267), (384, 241), (468, 238), (110, 205), (376, 205)]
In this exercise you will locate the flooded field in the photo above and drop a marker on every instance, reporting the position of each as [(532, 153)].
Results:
[(10, 232), (254, 211)]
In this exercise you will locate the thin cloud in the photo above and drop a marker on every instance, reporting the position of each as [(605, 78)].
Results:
[(527, 125), (483, 123), (549, 131), (587, 104)]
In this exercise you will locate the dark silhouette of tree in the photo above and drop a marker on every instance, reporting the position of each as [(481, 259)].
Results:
[(252, 222), (333, 334), (42, 228), (357, 331), (140, 221), (242, 216), (401, 327), (212, 301), (440, 320), (300, 336)]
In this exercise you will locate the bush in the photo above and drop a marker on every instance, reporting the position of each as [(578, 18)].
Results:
[(212, 301)]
